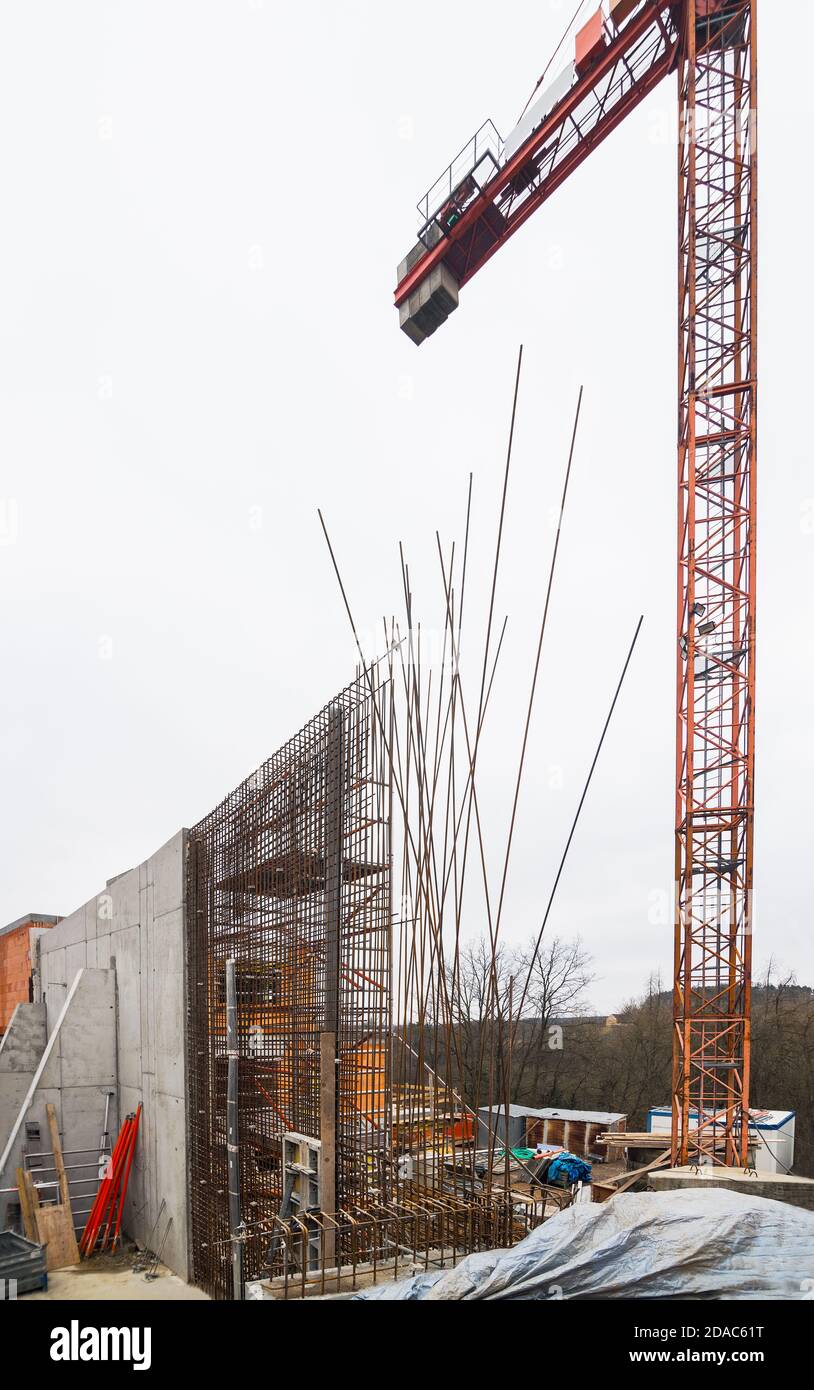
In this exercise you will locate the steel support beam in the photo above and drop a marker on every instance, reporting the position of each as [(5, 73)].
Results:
[(329, 1045)]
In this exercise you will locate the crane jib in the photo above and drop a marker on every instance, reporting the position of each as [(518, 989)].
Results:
[(480, 214)]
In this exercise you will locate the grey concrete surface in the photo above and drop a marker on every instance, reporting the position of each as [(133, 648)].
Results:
[(86, 1282), (778, 1187), (75, 1071), (20, 1051), (136, 924)]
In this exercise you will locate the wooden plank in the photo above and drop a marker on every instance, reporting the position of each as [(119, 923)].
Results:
[(33, 1197), (634, 1140), (56, 1233), (59, 1165), (631, 1178), (601, 1191), (27, 1205), (55, 1222)]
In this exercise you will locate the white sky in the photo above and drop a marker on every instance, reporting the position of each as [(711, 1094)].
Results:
[(204, 206)]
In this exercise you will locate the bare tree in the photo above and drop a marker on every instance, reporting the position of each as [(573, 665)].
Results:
[(559, 976), (478, 993), (483, 994), (622, 1063)]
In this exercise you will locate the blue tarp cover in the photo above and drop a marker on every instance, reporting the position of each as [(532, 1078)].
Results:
[(696, 1244)]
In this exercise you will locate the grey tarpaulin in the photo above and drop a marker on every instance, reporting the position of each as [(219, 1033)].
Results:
[(692, 1245)]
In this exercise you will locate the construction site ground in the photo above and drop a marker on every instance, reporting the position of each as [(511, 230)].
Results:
[(603, 1172), (112, 1277)]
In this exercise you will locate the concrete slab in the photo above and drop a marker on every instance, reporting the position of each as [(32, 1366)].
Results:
[(166, 871), (13, 1091), (171, 1163), (52, 1071), (88, 1039), (148, 993), (73, 929), (126, 946), (52, 966), (76, 958), (91, 915), (168, 988), (20, 1053), (22, 1044), (124, 893), (81, 1115), (168, 936), (54, 999), (777, 1187)]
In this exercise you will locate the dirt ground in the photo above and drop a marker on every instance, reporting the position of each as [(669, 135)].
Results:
[(112, 1277)]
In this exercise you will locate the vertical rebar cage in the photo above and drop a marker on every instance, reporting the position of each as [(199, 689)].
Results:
[(290, 877)]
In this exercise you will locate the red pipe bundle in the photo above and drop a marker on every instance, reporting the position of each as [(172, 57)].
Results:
[(107, 1207)]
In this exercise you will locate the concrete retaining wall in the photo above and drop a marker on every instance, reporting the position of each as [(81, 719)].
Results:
[(75, 1071), (20, 1051), (137, 926)]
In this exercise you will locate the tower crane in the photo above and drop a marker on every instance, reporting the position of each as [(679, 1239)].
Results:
[(623, 51)]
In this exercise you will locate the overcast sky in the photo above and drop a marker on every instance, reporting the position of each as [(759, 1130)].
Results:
[(204, 205)]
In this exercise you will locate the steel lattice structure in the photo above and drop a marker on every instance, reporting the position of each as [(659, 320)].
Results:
[(626, 48), (716, 584), (290, 878)]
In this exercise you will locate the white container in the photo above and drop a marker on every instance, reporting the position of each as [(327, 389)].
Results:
[(771, 1135)]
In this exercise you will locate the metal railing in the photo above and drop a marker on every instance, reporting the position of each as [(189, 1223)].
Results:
[(471, 168)]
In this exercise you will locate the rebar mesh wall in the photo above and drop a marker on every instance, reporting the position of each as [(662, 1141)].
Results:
[(290, 876)]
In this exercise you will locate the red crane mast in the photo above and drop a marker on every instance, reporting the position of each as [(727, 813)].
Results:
[(489, 191)]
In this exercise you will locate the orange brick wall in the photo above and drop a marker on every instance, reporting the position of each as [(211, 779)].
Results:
[(15, 970)]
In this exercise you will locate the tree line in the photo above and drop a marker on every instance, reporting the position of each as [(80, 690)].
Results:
[(562, 1055)]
